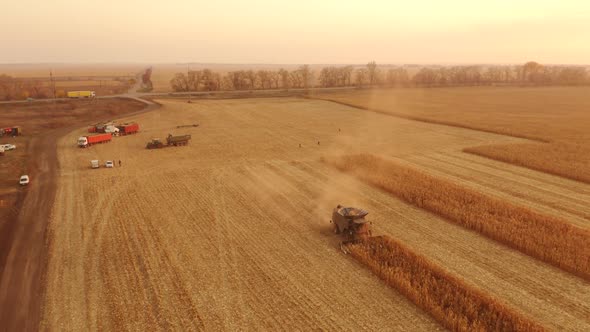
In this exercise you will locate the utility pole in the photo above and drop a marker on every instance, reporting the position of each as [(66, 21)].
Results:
[(188, 72), (52, 87)]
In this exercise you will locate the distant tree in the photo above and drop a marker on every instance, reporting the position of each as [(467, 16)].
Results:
[(146, 80), (195, 80), (296, 79), (372, 72), (264, 79), (361, 76), (274, 78), (531, 72), (37, 90), (179, 82), (285, 78), (250, 76), (426, 76), (572, 76), (237, 80), (6, 87), (306, 76), (397, 77), (328, 77), (211, 81)]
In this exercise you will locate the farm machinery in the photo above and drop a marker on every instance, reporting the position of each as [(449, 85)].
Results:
[(179, 140), (350, 222)]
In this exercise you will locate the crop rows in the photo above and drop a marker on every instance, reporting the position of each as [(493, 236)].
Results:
[(452, 302), (568, 160), (550, 239)]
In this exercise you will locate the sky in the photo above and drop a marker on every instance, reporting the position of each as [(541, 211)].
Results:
[(295, 32)]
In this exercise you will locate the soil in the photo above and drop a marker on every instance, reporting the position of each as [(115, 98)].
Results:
[(25, 211)]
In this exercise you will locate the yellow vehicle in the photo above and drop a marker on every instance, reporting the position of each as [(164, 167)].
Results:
[(81, 94)]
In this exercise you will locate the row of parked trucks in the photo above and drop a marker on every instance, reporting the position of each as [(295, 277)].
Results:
[(116, 130), (104, 132)]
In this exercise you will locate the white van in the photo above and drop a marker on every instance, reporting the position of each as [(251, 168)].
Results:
[(24, 180)]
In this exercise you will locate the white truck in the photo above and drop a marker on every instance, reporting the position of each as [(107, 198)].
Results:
[(112, 129), (94, 164)]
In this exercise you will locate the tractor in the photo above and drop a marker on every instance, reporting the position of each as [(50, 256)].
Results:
[(155, 143)]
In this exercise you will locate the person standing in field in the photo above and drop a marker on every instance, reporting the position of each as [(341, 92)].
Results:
[(119, 162)]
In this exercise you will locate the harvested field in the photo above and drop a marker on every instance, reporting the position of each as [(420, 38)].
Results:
[(455, 304), (555, 115), (550, 239), (231, 232)]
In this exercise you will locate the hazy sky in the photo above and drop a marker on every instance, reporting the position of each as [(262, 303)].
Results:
[(302, 31)]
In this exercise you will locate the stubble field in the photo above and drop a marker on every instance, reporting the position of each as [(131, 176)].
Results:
[(232, 231), (557, 118)]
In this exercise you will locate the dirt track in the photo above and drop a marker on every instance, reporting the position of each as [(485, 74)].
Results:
[(231, 232), (24, 240), (20, 287)]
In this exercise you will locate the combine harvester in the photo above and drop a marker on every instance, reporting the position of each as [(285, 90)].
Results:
[(157, 143), (351, 223)]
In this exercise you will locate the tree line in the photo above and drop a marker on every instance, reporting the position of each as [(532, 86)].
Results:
[(372, 75), (207, 80)]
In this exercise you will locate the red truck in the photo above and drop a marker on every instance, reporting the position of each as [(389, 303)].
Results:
[(10, 131), (85, 141), (128, 128)]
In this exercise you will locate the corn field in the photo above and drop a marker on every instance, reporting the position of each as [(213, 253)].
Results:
[(547, 238), (456, 305)]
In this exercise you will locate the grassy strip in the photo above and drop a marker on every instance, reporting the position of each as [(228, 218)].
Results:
[(456, 305), (549, 239)]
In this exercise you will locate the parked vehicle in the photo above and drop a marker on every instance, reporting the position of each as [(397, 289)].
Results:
[(94, 164), (157, 143), (11, 131), (24, 180), (86, 141), (81, 94), (178, 140), (109, 164), (112, 129), (8, 147), (128, 128)]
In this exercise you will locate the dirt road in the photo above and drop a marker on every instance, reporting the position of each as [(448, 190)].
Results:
[(21, 288), (24, 241)]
